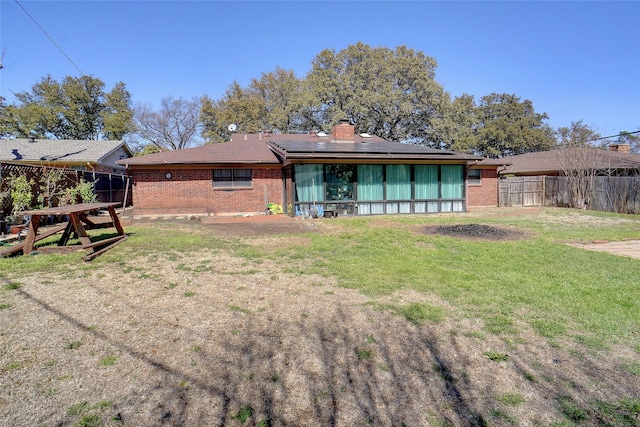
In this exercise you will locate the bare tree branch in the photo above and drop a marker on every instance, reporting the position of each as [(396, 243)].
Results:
[(174, 126)]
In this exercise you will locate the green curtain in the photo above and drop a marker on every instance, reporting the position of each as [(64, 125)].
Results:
[(452, 181), (370, 182), (426, 177), (309, 183), (398, 182)]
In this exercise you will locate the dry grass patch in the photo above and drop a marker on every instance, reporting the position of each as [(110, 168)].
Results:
[(258, 342)]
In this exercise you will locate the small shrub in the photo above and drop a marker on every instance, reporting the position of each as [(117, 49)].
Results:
[(4, 305), (21, 192)]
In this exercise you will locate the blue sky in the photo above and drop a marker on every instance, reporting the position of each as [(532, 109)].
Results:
[(574, 60)]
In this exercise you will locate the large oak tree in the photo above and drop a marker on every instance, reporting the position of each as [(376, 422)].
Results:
[(75, 108), (390, 93), (508, 126)]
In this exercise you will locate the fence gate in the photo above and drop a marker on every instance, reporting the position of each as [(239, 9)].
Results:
[(522, 191)]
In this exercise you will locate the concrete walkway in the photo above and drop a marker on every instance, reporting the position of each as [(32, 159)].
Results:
[(630, 248)]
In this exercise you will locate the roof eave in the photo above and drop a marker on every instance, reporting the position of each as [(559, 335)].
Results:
[(198, 163)]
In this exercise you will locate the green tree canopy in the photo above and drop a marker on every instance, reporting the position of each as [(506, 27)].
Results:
[(508, 126), (241, 107), (117, 115), (76, 108), (283, 97), (455, 129), (577, 135), (390, 93)]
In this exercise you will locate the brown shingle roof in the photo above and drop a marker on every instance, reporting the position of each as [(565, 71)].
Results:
[(240, 151), (260, 149), (557, 160)]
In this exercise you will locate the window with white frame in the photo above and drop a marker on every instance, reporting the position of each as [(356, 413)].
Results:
[(232, 178)]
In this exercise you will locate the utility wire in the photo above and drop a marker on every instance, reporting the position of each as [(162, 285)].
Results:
[(50, 38), (615, 136)]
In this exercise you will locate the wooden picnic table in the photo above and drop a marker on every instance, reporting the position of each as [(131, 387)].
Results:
[(78, 224)]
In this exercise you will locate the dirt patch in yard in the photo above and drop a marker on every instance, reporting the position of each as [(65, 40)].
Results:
[(238, 226), (476, 232), (206, 338)]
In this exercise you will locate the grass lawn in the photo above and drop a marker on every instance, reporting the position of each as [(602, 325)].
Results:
[(347, 321)]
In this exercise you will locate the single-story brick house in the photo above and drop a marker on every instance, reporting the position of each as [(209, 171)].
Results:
[(84, 155), (341, 173)]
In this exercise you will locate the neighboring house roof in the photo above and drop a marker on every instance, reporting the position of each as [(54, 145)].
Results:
[(554, 161), (260, 148), (61, 151)]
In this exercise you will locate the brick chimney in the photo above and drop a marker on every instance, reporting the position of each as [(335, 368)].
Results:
[(344, 131), (620, 148)]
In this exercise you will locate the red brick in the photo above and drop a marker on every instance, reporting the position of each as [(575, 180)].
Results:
[(190, 191), (486, 193)]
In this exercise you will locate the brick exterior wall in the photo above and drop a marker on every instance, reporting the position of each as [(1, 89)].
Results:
[(190, 191), (485, 194)]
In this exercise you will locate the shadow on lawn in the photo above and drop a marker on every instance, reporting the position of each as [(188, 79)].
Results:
[(329, 379), (326, 372)]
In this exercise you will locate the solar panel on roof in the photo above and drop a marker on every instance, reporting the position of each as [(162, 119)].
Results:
[(292, 147)]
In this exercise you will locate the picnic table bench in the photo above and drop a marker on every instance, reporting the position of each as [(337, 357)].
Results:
[(78, 224)]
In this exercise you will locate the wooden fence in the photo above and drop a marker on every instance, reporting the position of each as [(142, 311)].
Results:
[(619, 194), (522, 191)]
